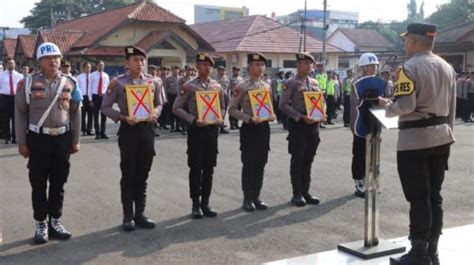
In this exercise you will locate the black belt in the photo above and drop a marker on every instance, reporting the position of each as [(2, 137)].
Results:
[(422, 123)]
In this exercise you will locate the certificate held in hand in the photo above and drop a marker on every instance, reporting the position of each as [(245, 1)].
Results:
[(315, 105), (208, 107), (139, 101)]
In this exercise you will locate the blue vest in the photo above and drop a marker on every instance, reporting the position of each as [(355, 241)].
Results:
[(363, 86)]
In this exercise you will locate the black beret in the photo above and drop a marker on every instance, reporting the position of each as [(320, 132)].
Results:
[(152, 66), (202, 57), (132, 50), (304, 56), (220, 67), (256, 57), (187, 67), (235, 68), (423, 29)]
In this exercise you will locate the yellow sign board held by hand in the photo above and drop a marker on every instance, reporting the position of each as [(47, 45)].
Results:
[(208, 107), (139, 101)]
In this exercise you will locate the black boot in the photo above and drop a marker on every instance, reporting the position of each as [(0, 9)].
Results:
[(248, 204), (206, 210), (57, 230), (311, 199), (196, 212), (140, 219), (433, 250), (418, 255), (128, 223), (259, 204), (298, 201)]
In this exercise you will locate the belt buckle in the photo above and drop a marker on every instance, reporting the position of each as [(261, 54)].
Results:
[(54, 131)]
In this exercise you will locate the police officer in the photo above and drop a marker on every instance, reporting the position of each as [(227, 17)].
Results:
[(171, 84), (425, 103), (233, 81), (48, 122), (254, 133), (136, 138), (368, 86), (202, 138), (347, 88), (303, 136)]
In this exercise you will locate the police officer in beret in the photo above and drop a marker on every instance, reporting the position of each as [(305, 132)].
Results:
[(202, 138), (224, 81), (425, 104), (136, 138), (254, 133), (303, 132), (48, 122)]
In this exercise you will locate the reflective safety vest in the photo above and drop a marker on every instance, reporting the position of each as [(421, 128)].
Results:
[(278, 87), (331, 88), (348, 86), (322, 79)]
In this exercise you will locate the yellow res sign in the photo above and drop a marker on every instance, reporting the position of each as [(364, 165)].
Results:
[(404, 86)]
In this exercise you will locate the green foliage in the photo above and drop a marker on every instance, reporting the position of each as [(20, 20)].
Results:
[(453, 13)]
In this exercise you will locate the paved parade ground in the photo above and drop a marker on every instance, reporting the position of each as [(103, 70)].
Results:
[(93, 212)]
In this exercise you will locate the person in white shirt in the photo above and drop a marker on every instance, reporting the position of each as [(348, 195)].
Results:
[(25, 69), (85, 84), (100, 81), (8, 83)]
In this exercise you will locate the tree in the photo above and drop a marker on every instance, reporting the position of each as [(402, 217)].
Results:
[(453, 13), (47, 13)]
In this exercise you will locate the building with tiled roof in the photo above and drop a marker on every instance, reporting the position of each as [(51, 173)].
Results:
[(25, 48), (234, 38), (456, 45), (103, 36), (8, 48)]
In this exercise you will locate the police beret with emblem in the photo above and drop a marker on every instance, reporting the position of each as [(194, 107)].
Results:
[(423, 29), (220, 67), (256, 57), (133, 50), (202, 57), (304, 56)]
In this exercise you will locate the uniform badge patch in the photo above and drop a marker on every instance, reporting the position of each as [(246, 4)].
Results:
[(236, 93), (404, 85), (285, 87), (182, 91)]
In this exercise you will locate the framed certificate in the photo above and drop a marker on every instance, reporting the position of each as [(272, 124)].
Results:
[(261, 104), (139, 101), (315, 105), (208, 107)]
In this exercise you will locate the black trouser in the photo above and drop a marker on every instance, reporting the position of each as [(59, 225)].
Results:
[(173, 119), (137, 148), (303, 141), (234, 123), (421, 174), (86, 125), (49, 160), (7, 114), (331, 101), (202, 157), (358, 158), (347, 109), (97, 100), (254, 147), (470, 105)]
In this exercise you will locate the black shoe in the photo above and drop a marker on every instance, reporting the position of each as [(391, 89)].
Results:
[(330, 123), (103, 136), (184, 132), (311, 199), (322, 126), (346, 125), (165, 127), (128, 225), (224, 131), (7, 142), (298, 201), (259, 205), (208, 212), (57, 230), (89, 134), (144, 222), (41, 232), (248, 206), (177, 130), (97, 137), (13, 141), (83, 133), (196, 212), (232, 127)]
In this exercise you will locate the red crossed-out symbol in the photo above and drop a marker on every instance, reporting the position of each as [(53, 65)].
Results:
[(209, 106), (262, 103), (315, 105), (140, 101)]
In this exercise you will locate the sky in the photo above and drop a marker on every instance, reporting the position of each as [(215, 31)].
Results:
[(12, 11)]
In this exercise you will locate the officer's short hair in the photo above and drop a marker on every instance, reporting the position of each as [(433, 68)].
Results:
[(85, 64), (8, 59), (100, 61)]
